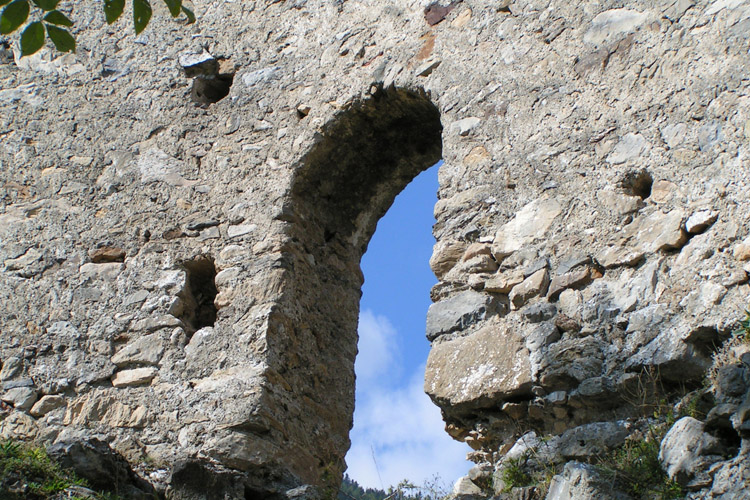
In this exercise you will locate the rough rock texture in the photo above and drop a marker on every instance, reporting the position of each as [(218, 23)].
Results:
[(182, 216)]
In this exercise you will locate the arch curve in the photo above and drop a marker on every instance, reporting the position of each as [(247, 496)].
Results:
[(346, 182)]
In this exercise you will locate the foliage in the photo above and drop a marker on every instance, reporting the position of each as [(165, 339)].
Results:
[(432, 489), (27, 472), (351, 490), (744, 330), (45, 17), (32, 466), (515, 475), (634, 468)]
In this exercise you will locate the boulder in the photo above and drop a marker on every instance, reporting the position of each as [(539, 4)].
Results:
[(684, 449), (580, 481)]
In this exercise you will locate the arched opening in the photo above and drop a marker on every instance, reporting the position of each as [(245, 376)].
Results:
[(398, 432), (343, 186)]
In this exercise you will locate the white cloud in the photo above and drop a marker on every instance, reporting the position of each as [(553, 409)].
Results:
[(378, 351), (395, 423)]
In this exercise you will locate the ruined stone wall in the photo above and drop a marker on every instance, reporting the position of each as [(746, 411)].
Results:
[(183, 215)]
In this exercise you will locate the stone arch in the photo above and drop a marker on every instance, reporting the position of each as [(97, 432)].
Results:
[(347, 181)]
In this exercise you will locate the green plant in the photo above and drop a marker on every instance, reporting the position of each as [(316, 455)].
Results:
[(514, 473), (634, 468), (46, 18), (744, 330), (32, 466)]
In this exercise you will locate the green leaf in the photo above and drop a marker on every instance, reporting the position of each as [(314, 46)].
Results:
[(58, 18), (3, 2), (64, 41), (13, 16), (189, 14), (174, 7), (46, 4), (141, 15), (113, 10), (32, 39)]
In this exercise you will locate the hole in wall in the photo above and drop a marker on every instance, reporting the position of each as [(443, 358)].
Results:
[(212, 78), (211, 89), (637, 183), (198, 309)]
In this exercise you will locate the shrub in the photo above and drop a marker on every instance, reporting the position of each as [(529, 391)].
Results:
[(634, 468)]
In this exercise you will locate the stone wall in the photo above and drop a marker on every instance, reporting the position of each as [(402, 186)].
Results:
[(183, 215)]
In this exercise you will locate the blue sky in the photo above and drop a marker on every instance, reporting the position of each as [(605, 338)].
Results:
[(396, 426)]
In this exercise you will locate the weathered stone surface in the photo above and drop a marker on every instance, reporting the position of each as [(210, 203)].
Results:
[(683, 449), (658, 231), (503, 283), (136, 376), (105, 271), (46, 404), (566, 130), (107, 254), (22, 398), (613, 22), (488, 365), (529, 224), (592, 440), (700, 221), (102, 407), (18, 425), (581, 481), (541, 311), (465, 488), (630, 147), (11, 367), (459, 312), (445, 255), (146, 350), (573, 279)]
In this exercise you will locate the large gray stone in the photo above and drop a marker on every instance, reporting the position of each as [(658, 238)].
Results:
[(489, 365), (580, 481), (683, 449), (459, 312)]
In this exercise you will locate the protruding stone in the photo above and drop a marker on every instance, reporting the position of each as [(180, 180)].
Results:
[(445, 255), (683, 448), (534, 285), (22, 398), (503, 283), (613, 22), (11, 367), (46, 405), (615, 256), (459, 312), (630, 147), (488, 365), (580, 277), (134, 377), (700, 221), (465, 489), (105, 271), (742, 250), (466, 126)]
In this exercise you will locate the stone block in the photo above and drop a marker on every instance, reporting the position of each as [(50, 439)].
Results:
[(459, 312), (491, 364)]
